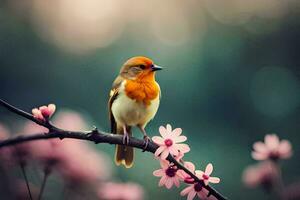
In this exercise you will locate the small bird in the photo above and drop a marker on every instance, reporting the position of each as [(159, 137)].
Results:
[(134, 101)]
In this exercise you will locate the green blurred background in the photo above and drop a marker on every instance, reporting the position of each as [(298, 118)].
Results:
[(231, 73)]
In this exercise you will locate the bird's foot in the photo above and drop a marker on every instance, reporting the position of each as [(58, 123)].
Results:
[(146, 142), (125, 139)]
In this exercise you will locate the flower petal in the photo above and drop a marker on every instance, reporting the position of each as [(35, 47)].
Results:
[(162, 181), (190, 166), (176, 132), (184, 148), (176, 182), (272, 141), (179, 156), (159, 150), (286, 155), (37, 114), (209, 168), (214, 179), (158, 173), (43, 107), (285, 149), (199, 174), (180, 139), (35, 111), (51, 108), (169, 183), (186, 190), (191, 195), (164, 154), (173, 151), (259, 156), (169, 128), (202, 195), (164, 164), (260, 147), (163, 131), (158, 140)]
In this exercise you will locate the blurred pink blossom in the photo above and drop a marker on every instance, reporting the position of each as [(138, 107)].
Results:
[(263, 173), (120, 191), (40, 149), (168, 143), (81, 163), (205, 176), (168, 173), (70, 120), (16, 154), (44, 112), (74, 159), (272, 148)]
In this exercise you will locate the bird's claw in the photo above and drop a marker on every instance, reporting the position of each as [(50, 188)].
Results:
[(146, 142), (125, 139)]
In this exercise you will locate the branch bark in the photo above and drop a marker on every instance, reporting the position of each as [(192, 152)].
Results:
[(95, 136)]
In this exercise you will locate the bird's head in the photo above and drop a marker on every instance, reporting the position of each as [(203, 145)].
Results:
[(139, 68)]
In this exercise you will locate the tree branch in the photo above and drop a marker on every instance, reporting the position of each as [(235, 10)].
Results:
[(95, 136)]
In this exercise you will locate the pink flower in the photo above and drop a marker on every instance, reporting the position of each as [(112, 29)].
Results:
[(272, 148), (44, 112), (168, 143), (205, 176), (117, 191), (168, 173), (193, 190), (263, 173)]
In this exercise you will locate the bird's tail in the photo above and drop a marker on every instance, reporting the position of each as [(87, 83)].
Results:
[(124, 154)]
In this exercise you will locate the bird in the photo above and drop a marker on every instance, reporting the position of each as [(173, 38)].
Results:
[(133, 102)]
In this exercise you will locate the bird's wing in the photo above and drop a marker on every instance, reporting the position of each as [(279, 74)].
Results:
[(114, 92)]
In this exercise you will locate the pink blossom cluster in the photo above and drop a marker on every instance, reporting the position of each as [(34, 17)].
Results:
[(170, 143), (75, 161), (43, 113), (269, 152)]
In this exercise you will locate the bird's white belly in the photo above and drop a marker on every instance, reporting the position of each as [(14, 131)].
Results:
[(129, 112)]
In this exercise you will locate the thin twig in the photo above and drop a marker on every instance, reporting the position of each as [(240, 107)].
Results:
[(22, 165), (47, 172), (95, 136)]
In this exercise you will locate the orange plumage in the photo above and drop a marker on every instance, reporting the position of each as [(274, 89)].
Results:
[(143, 89)]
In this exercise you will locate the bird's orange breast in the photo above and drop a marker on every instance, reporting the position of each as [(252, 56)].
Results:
[(142, 90)]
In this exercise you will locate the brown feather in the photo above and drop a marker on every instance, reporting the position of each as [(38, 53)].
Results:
[(113, 95)]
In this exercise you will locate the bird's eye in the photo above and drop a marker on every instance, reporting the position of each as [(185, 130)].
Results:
[(142, 66)]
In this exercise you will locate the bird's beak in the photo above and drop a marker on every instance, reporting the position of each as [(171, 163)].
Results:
[(156, 68)]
